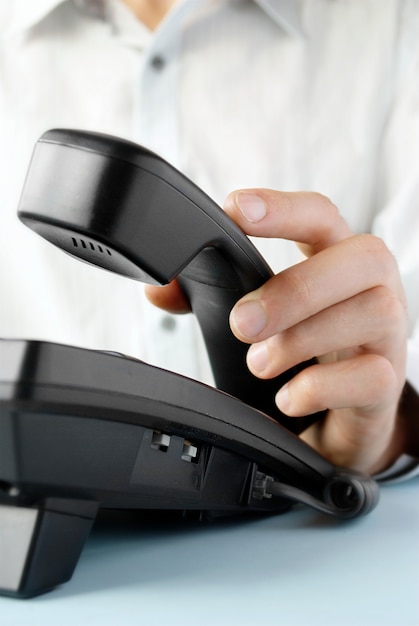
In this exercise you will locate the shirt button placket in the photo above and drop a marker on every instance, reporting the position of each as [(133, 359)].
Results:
[(157, 62)]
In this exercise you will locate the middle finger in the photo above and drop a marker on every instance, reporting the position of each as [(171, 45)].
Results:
[(333, 275), (367, 322)]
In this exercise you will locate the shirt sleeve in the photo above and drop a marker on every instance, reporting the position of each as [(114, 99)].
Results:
[(404, 468), (397, 223), (397, 184)]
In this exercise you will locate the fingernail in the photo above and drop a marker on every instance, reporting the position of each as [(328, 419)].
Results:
[(252, 207), (258, 356), (249, 318), (282, 399)]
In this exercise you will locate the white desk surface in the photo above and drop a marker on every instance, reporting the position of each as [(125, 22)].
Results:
[(295, 569)]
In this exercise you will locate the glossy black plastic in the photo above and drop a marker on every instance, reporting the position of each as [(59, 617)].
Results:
[(82, 430), (117, 205)]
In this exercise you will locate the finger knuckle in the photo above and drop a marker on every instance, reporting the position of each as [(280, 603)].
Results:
[(296, 283), (285, 203), (376, 250), (384, 383), (387, 305), (329, 208), (328, 205), (311, 387), (298, 341)]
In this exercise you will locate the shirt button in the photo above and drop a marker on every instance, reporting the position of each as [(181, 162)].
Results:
[(158, 62), (168, 323)]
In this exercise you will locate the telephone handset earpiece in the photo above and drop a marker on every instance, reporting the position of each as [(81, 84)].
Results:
[(121, 207)]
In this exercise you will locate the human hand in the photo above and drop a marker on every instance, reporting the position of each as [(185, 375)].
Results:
[(344, 305)]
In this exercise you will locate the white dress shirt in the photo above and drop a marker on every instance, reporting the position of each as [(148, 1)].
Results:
[(290, 95)]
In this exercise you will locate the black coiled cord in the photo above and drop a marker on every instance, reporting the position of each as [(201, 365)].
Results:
[(346, 494)]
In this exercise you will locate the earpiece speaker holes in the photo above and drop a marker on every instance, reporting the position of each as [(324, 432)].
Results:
[(77, 243)]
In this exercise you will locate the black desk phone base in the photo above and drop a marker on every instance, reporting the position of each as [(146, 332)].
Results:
[(83, 430)]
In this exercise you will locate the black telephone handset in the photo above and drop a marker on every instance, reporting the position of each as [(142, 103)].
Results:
[(117, 205), (83, 430)]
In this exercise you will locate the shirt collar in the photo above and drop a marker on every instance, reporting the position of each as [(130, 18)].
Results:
[(286, 13), (26, 14)]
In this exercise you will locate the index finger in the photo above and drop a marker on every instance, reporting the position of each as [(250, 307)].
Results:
[(308, 218)]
